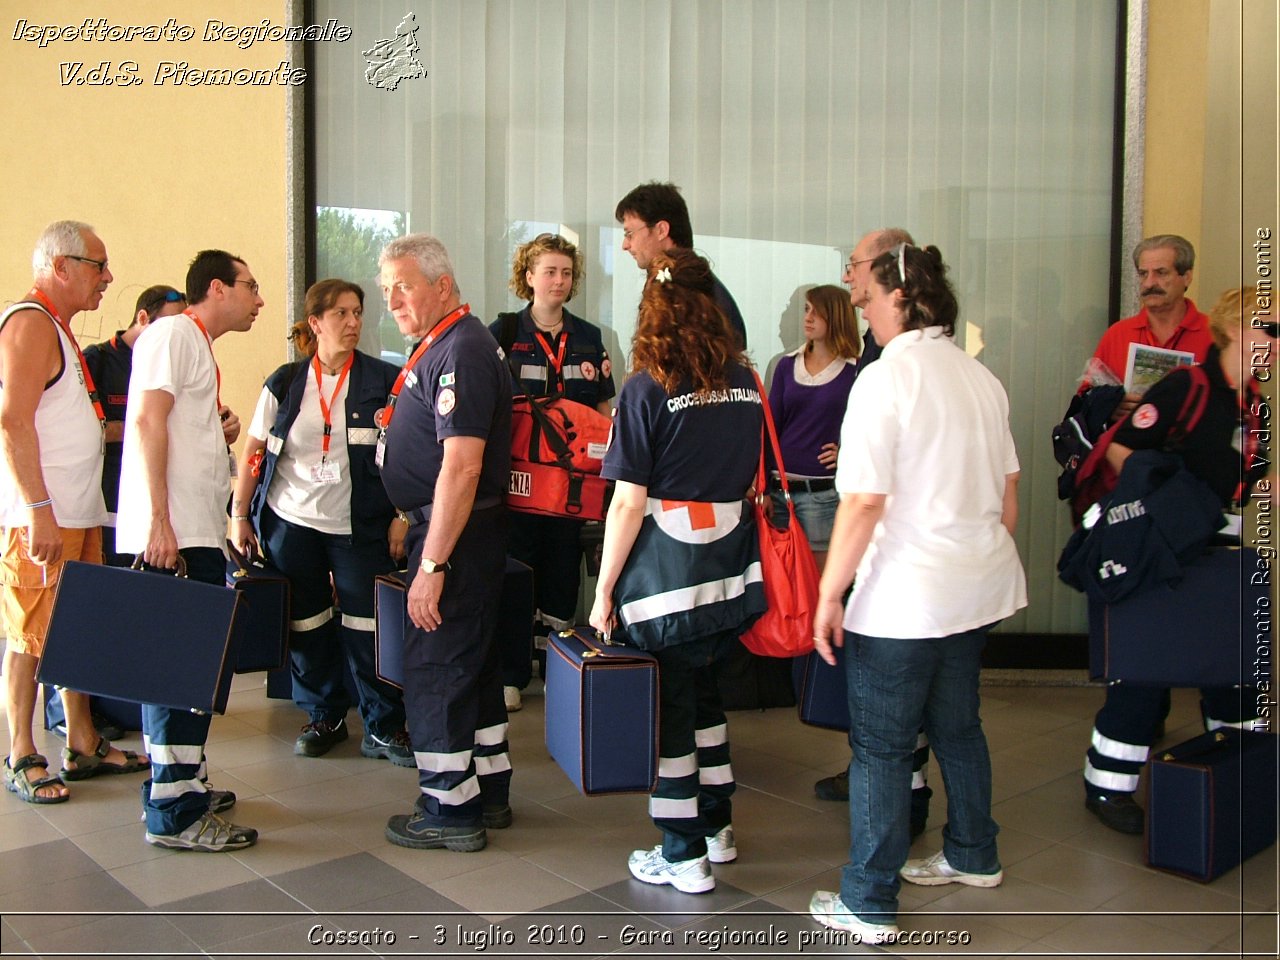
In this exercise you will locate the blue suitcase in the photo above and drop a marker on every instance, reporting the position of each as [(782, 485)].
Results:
[(822, 691), (602, 713), (263, 625), (1198, 633), (391, 619), (141, 636), (1211, 803)]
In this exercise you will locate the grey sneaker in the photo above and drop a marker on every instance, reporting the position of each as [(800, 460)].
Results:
[(209, 834), (396, 749), (221, 800), (687, 876), (721, 848), (829, 910), (934, 871)]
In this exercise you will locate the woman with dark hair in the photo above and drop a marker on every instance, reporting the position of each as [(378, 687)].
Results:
[(927, 477), (808, 396), (680, 572), (309, 492), (551, 353)]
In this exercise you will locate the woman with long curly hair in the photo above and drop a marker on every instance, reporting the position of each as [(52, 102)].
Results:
[(680, 573)]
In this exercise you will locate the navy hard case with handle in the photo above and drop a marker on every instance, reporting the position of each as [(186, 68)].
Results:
[(1211, 802), (822, 692), (142, 636), (263, 623), (602, 713)]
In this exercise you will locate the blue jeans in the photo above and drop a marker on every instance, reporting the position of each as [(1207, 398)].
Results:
[(895, 688), (317, 643), (815, 511)]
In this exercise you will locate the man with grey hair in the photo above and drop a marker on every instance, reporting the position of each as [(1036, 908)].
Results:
[(1168, 319), (51, 436), (857, 274), (445, 455)]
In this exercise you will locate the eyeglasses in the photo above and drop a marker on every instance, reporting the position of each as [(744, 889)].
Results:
[(900, 251), (853, 263), (628, 234), (100, 264), (251, 284)]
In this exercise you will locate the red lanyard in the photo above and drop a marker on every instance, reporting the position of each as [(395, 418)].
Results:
[(89, 385), (557, 360), (216, 369), (326, 409), (436, 333)]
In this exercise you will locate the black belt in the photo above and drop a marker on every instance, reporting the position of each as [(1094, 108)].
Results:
[(423, 514), (800, 483)]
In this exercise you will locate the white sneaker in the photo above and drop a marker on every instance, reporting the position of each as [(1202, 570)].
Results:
[(511, 697), (829, 910), (687, 876), (721, 848), (935, 871)]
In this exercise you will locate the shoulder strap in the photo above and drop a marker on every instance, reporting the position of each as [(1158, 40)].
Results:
[(1193, 406), (507, 332)]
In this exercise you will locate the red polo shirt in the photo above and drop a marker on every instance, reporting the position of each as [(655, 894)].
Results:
[(1191, 334)]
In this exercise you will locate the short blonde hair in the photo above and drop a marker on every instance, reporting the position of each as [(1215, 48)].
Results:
[(1228, 315), (526, 259)]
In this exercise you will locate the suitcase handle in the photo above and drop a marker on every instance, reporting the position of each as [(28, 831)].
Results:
[(242, 561), (179, 571), (1219, 739)]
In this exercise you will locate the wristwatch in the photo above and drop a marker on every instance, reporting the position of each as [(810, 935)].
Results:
[(430, 566)]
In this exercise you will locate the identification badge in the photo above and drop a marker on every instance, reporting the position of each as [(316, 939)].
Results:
[(231, 463), (325, 473), (380, 450)]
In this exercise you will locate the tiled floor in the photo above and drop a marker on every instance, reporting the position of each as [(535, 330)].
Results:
[(77, 878)]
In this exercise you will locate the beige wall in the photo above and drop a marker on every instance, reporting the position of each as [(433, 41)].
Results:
[(161, 171)]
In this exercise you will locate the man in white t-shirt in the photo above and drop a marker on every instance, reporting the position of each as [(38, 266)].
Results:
[(175, 481)]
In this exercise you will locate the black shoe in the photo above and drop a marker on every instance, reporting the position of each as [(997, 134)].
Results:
[(104, 727), (833, 788), (395, 748), (919, 810), (412, 830), (1115, 810), (319, 737), (497, 817)]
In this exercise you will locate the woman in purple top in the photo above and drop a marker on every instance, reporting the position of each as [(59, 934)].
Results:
[(808, 396)]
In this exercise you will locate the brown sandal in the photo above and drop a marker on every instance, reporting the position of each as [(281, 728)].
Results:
[(91, 764)]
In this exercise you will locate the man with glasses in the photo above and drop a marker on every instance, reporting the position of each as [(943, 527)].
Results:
[(857, 275), (655, 219), (174, 486), (51, 502)]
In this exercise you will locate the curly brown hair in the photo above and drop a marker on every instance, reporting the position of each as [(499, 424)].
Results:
[(526, 259), (681, 335)]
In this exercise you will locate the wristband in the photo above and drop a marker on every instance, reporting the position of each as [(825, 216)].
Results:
[(234, 517), (47, 502)]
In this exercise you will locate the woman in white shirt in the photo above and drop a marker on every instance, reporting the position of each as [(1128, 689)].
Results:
[(927, 478), (309, 491)]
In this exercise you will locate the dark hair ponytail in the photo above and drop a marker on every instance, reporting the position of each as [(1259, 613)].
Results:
[(927, 297)]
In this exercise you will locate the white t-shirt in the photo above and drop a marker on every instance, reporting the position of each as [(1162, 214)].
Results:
[(931, 430), (172, 355), (295, 494)]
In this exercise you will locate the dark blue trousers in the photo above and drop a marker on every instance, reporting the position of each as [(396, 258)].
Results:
[(176, 797), (453, 680)]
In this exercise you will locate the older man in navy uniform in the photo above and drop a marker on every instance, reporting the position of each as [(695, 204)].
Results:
[(445, 455)]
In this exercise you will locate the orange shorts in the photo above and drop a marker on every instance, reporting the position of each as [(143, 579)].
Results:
[(27, 588)]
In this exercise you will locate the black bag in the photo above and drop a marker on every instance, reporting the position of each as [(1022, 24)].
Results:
[(1084, 423)]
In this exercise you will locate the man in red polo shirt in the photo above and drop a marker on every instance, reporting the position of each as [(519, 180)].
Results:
[(1167, 318)]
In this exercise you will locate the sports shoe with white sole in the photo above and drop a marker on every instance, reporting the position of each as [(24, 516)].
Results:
[(829, 910), (687, 876), (721, 848), (935, 871), (209, 834)]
